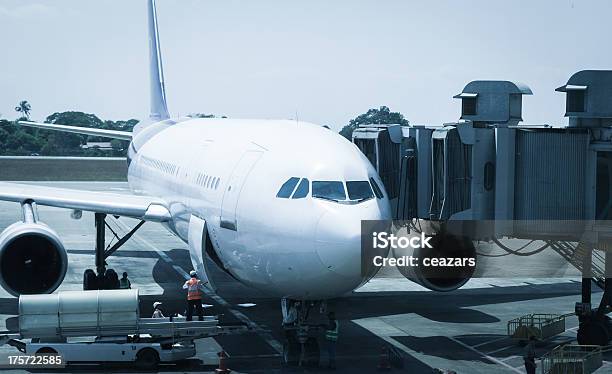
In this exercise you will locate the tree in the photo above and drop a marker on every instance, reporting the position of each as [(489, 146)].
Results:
[(381, 116), (20, 140), (67, 143), (204, 115), (24, 108)]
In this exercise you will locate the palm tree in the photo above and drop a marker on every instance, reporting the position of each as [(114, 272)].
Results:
[(24, 107)]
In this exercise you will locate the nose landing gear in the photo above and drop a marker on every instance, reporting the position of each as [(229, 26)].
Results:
[(302, 330)]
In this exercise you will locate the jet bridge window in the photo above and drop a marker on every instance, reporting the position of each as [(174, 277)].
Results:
[(287, 188), (575, 100), (328, 190), (468, 106), (359, 190)]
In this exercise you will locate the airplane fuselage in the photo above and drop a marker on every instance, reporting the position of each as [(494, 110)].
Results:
[(229, 173)]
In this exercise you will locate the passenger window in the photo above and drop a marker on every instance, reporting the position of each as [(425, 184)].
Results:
[(377, 190), (302, 189), (287, 188), (359, 190), (328, 190)]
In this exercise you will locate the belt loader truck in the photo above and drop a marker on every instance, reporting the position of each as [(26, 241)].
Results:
[(105, 326)]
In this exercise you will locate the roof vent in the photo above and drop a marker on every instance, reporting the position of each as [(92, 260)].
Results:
[(588, 100), (492, 102)]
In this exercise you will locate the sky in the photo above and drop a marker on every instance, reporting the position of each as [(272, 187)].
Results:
[(318, 60)]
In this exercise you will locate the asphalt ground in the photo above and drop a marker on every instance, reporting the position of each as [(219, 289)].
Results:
[(464, 330)]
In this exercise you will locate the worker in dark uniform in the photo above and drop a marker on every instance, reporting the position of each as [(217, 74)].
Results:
[(331, 337), (124, 282), (195, 288), (529, 356)]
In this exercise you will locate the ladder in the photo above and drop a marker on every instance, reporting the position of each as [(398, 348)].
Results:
[(575, 254)]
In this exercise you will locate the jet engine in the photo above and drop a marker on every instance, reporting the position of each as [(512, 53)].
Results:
[(446, 266), (33, 259)]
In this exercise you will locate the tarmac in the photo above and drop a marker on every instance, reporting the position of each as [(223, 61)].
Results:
[(464, 330)]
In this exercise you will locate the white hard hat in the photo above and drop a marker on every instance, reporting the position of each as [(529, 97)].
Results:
[(156, 304), (193, 273)]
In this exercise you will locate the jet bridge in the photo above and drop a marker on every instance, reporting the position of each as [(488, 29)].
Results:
[(539, 182)]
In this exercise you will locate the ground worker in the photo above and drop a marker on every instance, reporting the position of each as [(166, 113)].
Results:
[(331, 337), (124, 282), (157, 312), (529, 356), (194, 288), (291, 317)]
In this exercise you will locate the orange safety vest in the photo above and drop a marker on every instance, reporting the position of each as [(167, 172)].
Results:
[(193, 289)]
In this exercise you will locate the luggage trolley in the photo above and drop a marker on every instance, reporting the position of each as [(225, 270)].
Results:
[(541, 326)]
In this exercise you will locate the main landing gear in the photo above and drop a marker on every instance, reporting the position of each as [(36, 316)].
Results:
[(301, 346), (103, 278)]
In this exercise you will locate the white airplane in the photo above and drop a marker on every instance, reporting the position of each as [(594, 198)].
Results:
[(275, 203)]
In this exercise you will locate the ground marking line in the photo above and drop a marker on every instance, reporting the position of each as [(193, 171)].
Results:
[(510, 357), (500, 349), (492, 359), (521, 368), (389, 339), (490, 341), (265, 335)]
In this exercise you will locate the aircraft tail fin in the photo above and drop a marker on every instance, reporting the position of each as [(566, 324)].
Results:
[(159, 108)]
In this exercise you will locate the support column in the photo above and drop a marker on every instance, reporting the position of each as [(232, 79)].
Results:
[(587, 275), (100, 241), (608, 276)]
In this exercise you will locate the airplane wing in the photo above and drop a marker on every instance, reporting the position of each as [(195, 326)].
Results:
[(142, 207), (114, 134)]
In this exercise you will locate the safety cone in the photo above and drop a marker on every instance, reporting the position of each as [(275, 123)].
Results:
[(222, 364), (384, 362)]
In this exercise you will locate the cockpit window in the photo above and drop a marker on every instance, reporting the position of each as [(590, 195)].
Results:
[(359, 190), (328, 190), (377, 190), (302, 189), (287, 188)]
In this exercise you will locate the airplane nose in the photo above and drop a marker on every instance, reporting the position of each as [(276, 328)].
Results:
[(338, 243)]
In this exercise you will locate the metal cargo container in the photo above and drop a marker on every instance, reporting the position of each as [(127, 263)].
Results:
[(69, 313)]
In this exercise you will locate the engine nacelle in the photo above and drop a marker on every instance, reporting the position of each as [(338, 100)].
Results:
[(447, 249), (33, 259)]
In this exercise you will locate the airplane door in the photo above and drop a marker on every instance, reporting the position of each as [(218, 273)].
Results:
[(197, 249), (232, 191)]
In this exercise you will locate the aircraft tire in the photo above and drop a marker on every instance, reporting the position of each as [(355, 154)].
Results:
[(594, 331), (111, 280), (313, 353), (291, 351), (90, 280)]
